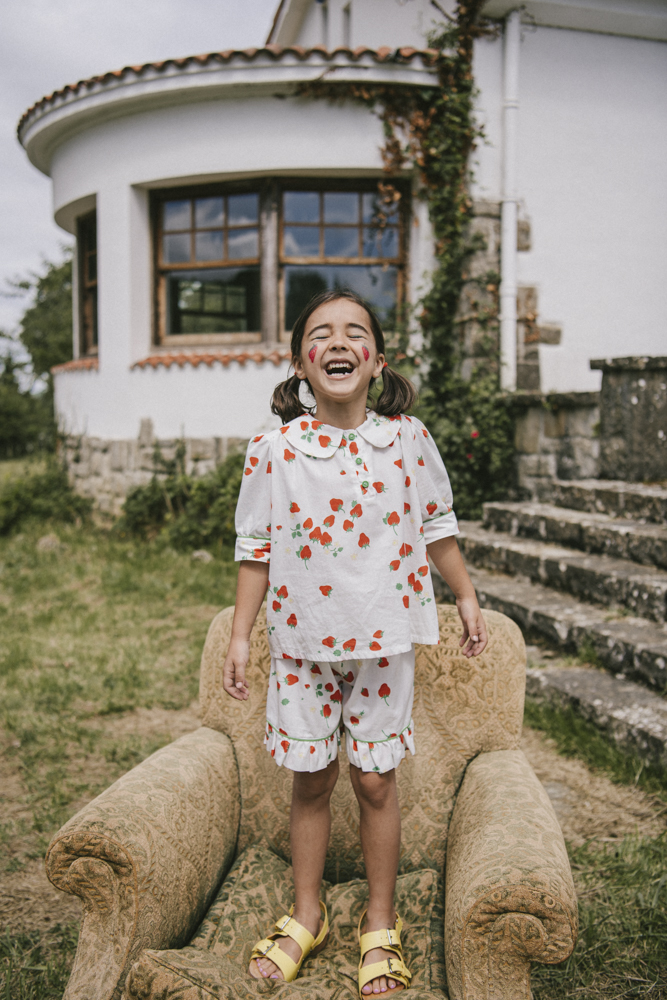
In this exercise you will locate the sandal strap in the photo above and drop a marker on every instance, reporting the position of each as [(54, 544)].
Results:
[(270, 948), (394, 968), (387, 937), (287, 926)]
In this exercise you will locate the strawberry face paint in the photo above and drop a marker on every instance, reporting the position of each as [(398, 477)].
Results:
[(366, 352), (311, 353)]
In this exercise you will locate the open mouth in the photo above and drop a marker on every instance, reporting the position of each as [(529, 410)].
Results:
[(339, 368)]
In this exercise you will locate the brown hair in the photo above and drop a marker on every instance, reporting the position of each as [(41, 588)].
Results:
[(398, 394)]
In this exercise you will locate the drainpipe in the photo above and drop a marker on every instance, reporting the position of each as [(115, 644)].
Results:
[(508, 214)]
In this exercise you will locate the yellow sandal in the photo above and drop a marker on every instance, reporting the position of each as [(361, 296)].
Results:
[(393, 968), (269, 947)]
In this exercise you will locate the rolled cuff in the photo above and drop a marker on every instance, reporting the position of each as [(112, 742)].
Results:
[(254, 549), (440, 527)]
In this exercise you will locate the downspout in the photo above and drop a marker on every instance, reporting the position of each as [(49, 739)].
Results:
[(508, 213)]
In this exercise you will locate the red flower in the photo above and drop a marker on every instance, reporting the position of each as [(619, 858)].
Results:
[(277, 605), (405, 550), (354, 721), (326, 711), (289, 456), (335, 505), (282, 592), (468, 456), (406, 601), (292, 679), (324, 440), (364, 692), (356, 510), (394, 564), (375, 646), (384, 691), (348, 525), (384, 662), (291, 621), (285, 745), (326, 590), (315, 669), (431, 506), (329, 520), (364, 541), (380, 487), (475, 434), (423, 570), (307, 524), (294, 508), (349, 645), (329, 641)]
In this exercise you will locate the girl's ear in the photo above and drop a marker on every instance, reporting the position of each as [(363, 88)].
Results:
[(379, 365), (298, 369)]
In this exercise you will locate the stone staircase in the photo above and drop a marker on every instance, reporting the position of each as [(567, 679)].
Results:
[(586, 571)]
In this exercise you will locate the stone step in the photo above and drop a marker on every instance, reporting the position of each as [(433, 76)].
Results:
[(630, 715), (631, 646), (601, 579), (601, 534), (638, 501)]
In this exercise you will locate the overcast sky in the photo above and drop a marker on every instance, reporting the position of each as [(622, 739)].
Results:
[(45, 44)]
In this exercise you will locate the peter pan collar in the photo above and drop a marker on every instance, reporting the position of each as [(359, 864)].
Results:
[(319, 440)]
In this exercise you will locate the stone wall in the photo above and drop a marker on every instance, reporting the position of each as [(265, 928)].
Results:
[(556, 438), (107, 469)]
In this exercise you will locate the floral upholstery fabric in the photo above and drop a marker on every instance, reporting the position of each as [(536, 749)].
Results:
[(462, 707), (255, 893)]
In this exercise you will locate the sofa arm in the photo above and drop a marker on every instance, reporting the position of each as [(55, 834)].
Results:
[(509, 894), (146, 856)]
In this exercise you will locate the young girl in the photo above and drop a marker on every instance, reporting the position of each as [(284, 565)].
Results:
[(343, 505)]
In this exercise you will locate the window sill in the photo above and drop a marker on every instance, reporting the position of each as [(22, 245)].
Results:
[(204, 339)]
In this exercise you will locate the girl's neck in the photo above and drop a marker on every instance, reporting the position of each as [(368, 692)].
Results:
[(344, 415)]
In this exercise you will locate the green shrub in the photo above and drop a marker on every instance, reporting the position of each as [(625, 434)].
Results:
[(192, 513), (45, 496)]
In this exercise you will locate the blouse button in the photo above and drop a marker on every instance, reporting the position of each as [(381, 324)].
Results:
[(358, 461)]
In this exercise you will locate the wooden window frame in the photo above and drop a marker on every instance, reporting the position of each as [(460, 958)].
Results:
[(161, 269), (86, 249)]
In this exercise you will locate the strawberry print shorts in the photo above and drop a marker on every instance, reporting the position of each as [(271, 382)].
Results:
[(309, 703)]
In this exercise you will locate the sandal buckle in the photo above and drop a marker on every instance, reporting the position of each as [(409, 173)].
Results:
[(268, 948), (388, 961), (283, 925)]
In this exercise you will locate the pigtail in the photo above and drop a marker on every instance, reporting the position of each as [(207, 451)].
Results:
[(398, 394), (285, 401)]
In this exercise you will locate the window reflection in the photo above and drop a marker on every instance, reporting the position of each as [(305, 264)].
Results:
[(374, 282), (213, 301)]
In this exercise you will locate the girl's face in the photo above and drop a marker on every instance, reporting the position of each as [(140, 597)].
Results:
[(338, 352)]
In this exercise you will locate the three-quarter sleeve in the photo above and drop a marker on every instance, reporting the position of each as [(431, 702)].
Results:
[(253, 510), (435, 491)]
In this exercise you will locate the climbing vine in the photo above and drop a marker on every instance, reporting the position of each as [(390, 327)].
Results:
[(434, 130)]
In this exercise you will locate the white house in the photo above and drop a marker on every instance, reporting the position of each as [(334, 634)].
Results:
[(208, 202)]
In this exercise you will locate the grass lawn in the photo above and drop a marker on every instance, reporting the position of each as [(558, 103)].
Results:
[(98, 627)]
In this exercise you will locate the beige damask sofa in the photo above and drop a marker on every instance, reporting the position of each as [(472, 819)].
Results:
[(183, 863)]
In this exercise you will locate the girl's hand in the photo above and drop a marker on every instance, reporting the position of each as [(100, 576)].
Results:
[(474, 629), (233, 671)]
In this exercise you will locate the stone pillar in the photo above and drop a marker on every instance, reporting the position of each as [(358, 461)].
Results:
[(633, 418)]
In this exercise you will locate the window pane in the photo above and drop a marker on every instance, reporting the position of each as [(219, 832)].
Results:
[(242, 243), (342, 242), (301, 241), (90, 266), (214, 301), (381, 242), (176, 214), (208, 246), (209, 212), (242, 209), (341, 206), (176, 248), (374, 282), (301, 206), (372, 207)]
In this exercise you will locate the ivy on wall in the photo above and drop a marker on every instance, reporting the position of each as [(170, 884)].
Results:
[(433, 129)]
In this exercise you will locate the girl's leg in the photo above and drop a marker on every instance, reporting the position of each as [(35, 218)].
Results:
[(310, 826), (380, 842)]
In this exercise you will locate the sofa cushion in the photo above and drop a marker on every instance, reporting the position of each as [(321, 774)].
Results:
[(255, 893)]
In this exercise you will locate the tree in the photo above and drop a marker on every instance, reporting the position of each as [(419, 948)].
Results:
[(45, 329), (26, 420)]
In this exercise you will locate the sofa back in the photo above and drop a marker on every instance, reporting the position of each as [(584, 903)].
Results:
[(462, 707)]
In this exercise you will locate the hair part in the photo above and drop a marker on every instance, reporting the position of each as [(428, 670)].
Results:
[(398, 393)]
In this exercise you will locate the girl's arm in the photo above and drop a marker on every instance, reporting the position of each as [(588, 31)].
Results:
[(448, 561), (251, 587)]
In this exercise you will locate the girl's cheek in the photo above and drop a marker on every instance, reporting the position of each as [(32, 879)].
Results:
[(366, 352), (313, 351)]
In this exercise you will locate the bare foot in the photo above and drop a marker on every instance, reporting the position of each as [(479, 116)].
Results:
[(264, 968), (383, 984)]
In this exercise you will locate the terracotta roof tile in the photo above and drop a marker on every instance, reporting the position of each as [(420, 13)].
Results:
[(197, 358), (79, 364), (277, 52)]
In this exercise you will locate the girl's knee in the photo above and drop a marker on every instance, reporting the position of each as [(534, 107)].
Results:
[(309, 785), (373, 789)]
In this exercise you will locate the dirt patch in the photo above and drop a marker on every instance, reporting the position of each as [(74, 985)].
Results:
[(29, 902), (587, 804), (153, 722)]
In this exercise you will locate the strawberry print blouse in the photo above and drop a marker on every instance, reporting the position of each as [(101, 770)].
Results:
[(344, 518)]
